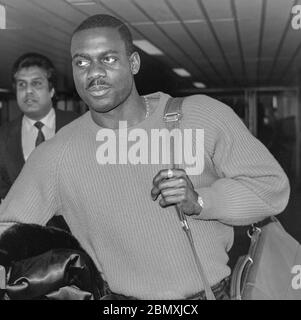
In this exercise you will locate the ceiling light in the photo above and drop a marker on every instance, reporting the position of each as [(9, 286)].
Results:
[(4, 90), (148, 47), (2, 17), (199, 85), (181, 72), (81, 2)]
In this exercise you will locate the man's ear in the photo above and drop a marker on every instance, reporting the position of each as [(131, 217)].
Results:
[(135, 62), (52, 92)]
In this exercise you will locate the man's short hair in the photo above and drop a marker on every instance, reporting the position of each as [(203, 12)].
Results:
[(33, 59), (105, 20)]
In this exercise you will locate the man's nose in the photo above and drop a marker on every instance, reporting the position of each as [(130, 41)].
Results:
[(96, 70), (28, 88)]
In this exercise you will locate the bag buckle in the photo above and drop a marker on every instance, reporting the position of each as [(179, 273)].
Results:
[(252, 231), (172, 117)]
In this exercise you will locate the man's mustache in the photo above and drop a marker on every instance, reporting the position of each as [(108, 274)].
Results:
[(97, 82), (29, 97)]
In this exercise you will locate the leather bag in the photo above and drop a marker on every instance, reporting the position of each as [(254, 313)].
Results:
[(60, 274), (61, 270), (268, 270)]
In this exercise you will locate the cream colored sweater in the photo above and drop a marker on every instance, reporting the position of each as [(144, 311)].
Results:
[(140, 247)]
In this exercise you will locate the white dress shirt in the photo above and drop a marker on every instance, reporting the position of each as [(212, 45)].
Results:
[(30, 132)]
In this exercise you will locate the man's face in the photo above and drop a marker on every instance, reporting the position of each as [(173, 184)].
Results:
[(33, 93), (102, 69)]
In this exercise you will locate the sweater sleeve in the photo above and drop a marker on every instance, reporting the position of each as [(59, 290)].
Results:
[(33, 198), (251, 184)]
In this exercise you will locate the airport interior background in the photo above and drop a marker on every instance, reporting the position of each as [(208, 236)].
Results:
[(244, 53)]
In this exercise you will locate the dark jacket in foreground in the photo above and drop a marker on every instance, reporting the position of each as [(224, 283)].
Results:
[(46, 263)]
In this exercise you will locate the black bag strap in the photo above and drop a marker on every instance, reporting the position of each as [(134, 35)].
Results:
[(172, 116)]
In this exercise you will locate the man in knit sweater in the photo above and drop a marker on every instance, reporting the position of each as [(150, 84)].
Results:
[(101, 173)]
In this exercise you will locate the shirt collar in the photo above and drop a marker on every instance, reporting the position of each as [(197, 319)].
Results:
[(48, 120)]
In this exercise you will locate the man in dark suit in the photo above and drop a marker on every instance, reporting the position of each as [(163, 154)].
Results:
[(34, 78)]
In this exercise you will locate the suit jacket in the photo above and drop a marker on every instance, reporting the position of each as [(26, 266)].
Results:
[(11, 153)]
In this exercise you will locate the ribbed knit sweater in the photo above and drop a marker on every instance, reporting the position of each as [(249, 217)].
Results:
[(139, 247)]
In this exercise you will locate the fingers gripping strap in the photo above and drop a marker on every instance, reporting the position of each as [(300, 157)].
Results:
[(172, 116)]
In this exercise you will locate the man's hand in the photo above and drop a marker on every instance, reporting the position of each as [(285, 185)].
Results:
[(175, 187)]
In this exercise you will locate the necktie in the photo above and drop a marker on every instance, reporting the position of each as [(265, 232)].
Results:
[(40, 136)]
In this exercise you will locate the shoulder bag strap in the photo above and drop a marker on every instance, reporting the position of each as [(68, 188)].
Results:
[(172, 116)]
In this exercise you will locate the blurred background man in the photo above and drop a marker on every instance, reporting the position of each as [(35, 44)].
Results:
[(34, 79)]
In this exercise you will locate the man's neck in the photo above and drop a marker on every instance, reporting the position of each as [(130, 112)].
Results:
[(133, 111), (42, 117)]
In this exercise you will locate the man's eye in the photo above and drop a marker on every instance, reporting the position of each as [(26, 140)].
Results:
[(110, 60), (37, 84), (20, 84), (82, 63)]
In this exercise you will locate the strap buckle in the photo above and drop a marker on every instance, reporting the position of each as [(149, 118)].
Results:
[(172, 117), (251, 231)]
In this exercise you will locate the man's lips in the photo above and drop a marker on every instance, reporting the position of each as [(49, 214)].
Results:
[(98, 87), (98, 90), (30, 101)]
